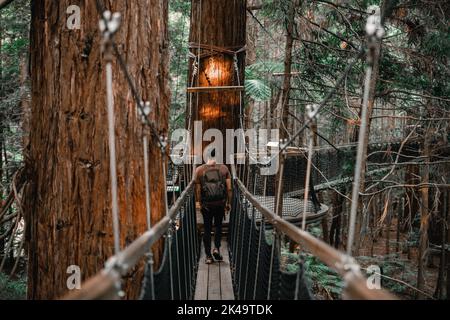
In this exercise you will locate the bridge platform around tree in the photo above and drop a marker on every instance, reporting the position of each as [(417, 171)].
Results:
[(214, 280)]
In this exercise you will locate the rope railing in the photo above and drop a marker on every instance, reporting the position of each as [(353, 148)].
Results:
[(104, 284), (274, 287)]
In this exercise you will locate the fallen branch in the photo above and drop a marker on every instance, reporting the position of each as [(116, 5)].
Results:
[(403, 283)]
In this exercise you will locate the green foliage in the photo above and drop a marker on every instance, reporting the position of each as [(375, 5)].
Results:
[(257, 85), (437, 44), (179, 12), (269, 237), (14, 23), (348, 163), (315, 230), (264, 69), (322, 276), (12, 289), (394, 267), (257, 90), (14, 43), (318, 275), (290, 264)]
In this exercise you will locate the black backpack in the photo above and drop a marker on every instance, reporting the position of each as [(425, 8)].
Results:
[(213, 186)]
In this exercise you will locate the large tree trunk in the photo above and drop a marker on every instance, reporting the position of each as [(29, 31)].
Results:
[(252, 41), (285, 100), (220, 24), (283, 112), (68, 201)]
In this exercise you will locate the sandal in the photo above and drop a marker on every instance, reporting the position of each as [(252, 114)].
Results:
[(209, 260), (217, 255)]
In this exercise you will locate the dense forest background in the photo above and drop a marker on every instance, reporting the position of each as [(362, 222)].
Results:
[(405, 228)]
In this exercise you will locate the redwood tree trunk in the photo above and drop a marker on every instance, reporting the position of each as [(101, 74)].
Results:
[(252, 41), (68, 201), (220, 24), (290, 21)]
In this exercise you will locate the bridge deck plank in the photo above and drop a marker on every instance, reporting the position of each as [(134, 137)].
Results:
[(225, 274), (201, 289), (214, 281)]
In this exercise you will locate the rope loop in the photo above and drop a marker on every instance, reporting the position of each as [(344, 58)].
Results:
[(236, 65), (216, 49)]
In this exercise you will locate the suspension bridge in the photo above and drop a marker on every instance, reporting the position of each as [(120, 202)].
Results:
[(266, 211), (252, 267)]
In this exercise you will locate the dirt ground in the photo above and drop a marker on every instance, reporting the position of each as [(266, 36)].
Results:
[(400, 262)]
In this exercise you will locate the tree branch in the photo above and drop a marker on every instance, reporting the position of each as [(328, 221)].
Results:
[(4, 3), (255, 7)]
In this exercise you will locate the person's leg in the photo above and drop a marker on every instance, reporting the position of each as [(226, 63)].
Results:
[(207, 228), (219, 213)]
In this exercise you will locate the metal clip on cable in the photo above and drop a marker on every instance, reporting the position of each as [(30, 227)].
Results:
[(115, 270), (144, 111)]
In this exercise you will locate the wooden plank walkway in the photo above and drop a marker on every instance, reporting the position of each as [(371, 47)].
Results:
[(214, 280)]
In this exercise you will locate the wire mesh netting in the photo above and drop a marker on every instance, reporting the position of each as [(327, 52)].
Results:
[(175, 279), (293, 178), (255, 259)]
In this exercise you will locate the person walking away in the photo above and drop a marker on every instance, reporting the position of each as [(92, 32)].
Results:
[(213, 194)]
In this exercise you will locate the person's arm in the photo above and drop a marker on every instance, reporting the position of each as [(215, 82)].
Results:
[(198, 196), (230, 194), (198, 192)]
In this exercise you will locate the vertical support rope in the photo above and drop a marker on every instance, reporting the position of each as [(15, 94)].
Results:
[(297, 284), (249, 244), (148, 212), (112, 140), (278, 209), (109, 25), (147, 184), (374, 30), (261, 234), (237, 239), (170, 265), (279, 202), (359, 162), (190, 246), (310, 113), (236, 206), (272, 256), (178, 264), (241, 247), (166, 208), (186, 254)]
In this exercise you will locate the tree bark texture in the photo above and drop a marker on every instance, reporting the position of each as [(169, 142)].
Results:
[(220, 24), (68, 201), (285, 100)]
